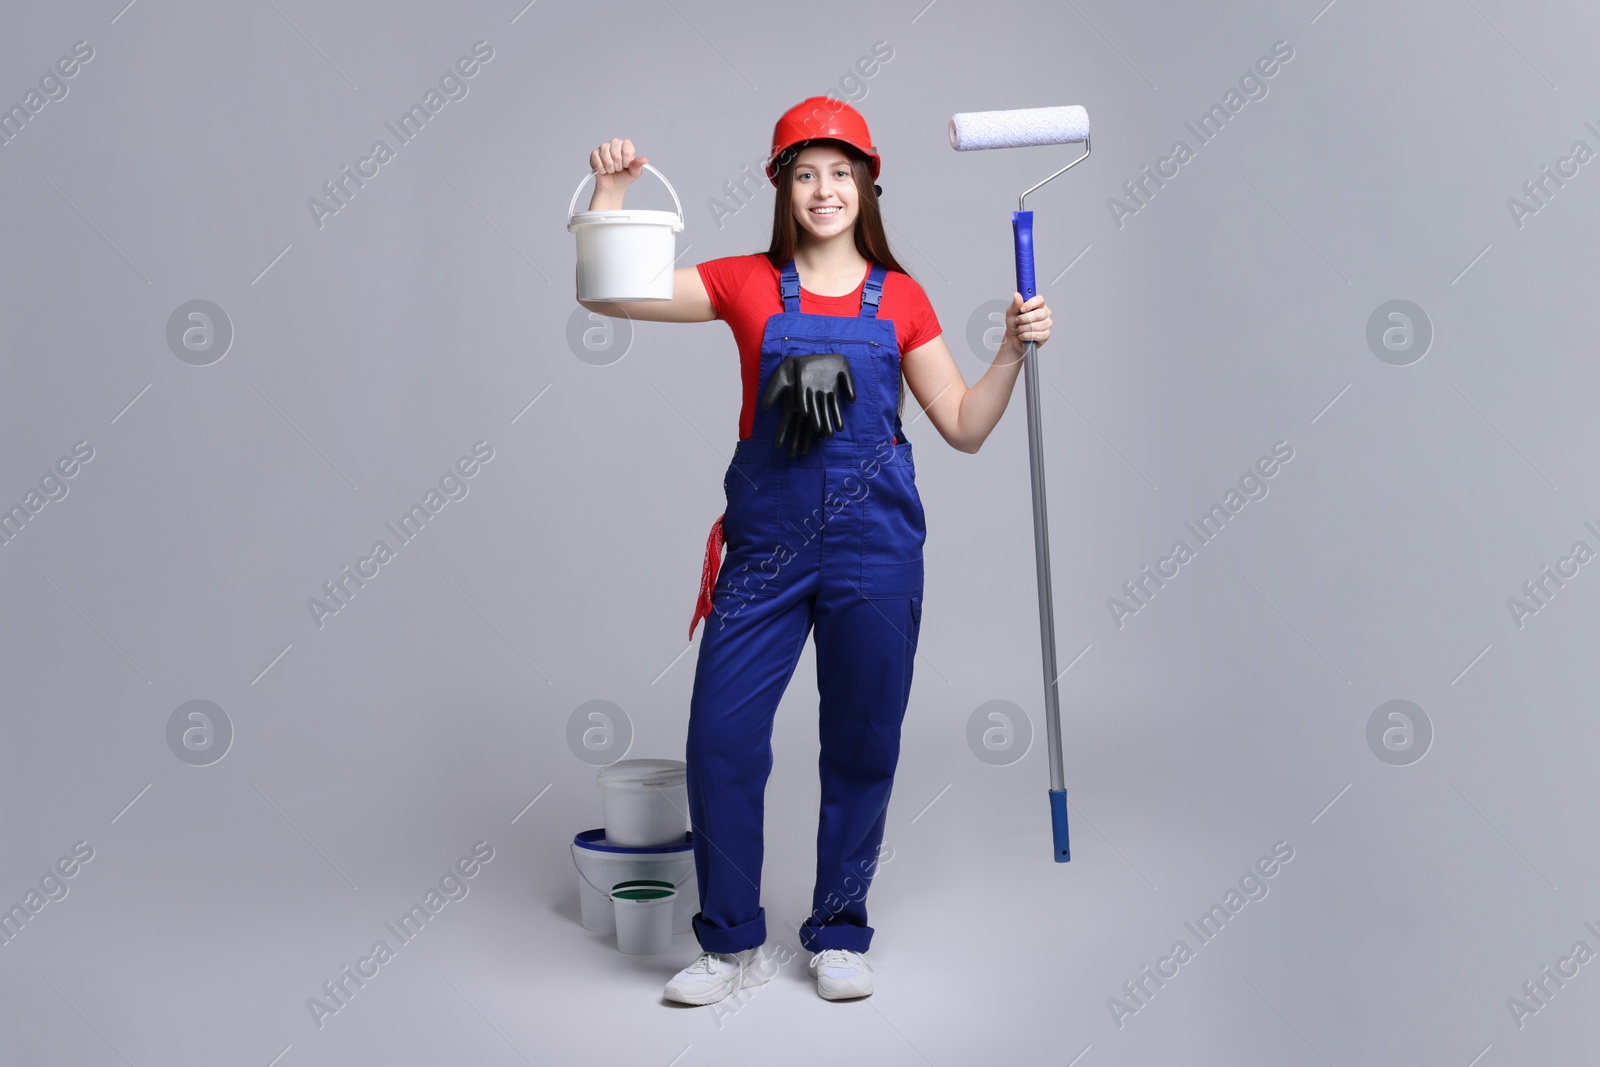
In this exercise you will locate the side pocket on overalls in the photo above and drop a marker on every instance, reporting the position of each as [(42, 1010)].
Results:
[(749, 527), (893, 533)]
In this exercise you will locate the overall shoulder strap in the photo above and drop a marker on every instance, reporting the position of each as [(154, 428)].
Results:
[(872, 292), (789, 286)]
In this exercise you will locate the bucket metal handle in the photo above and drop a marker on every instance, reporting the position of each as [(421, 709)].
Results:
[(647, 167), (607, 892)]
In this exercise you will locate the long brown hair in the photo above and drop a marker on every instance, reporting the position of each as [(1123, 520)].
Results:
[(871, 241)]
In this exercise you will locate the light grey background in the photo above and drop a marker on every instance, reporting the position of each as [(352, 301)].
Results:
[(370, 354)]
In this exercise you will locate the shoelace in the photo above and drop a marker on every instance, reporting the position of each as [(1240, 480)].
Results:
[(706, 962), (839, 957)]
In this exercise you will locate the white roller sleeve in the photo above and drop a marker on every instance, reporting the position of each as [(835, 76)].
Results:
[(1022, 128)]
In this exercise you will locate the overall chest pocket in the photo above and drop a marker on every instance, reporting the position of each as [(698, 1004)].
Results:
[(893, 531), (805, 344)]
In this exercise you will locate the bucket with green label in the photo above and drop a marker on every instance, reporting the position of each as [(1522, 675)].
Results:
[(644, 915)]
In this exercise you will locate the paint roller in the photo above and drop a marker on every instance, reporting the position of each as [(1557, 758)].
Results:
[(1026, 128)]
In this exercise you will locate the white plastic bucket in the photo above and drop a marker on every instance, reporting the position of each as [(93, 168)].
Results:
[(601, 865), (644, 916), (646, 802), (625, 255)]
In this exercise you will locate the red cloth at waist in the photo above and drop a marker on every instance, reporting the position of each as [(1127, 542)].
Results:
[(708, 575)]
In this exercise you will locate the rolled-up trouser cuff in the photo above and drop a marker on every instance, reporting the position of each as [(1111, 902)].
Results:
[(731, 938), (838, 935)]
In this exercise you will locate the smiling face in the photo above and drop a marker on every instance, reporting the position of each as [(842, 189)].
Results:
[(824, 195)]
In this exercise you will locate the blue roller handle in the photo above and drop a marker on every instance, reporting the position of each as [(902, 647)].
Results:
[(1022, 230), (1058, 824)]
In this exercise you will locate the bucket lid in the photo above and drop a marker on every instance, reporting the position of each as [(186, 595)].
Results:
[(656, 882), (618, 216), (661, 772), (643, 889), (595, 841)]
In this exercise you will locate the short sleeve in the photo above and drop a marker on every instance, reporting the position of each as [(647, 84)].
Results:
[(922, 323), (714, 276)]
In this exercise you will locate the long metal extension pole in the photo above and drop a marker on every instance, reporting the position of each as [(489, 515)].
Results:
[(1041, 559), (1047, 613)]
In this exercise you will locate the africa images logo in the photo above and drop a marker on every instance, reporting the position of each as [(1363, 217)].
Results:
[(1252, 886), (1252, 486), (452, 86), (452, 486), (453, 886)]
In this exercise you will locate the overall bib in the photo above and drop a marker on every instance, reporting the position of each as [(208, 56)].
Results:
[(831, 539)]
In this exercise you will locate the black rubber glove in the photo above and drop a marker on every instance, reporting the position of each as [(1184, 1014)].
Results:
[(810, 387)]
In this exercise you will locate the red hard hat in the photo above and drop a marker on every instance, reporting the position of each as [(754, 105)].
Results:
[(817, 118)]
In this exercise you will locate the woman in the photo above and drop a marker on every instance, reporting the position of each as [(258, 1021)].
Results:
[(823, 529)]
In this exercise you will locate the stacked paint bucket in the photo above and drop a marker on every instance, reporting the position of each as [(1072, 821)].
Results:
[(636, 873)]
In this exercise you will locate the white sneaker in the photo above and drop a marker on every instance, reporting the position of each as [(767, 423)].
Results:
[(713, 975), (841, 974)]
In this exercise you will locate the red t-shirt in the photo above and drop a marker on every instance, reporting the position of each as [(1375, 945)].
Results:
[(744, 293)]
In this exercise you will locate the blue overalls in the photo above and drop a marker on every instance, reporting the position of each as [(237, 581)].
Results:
[(832, 539)]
